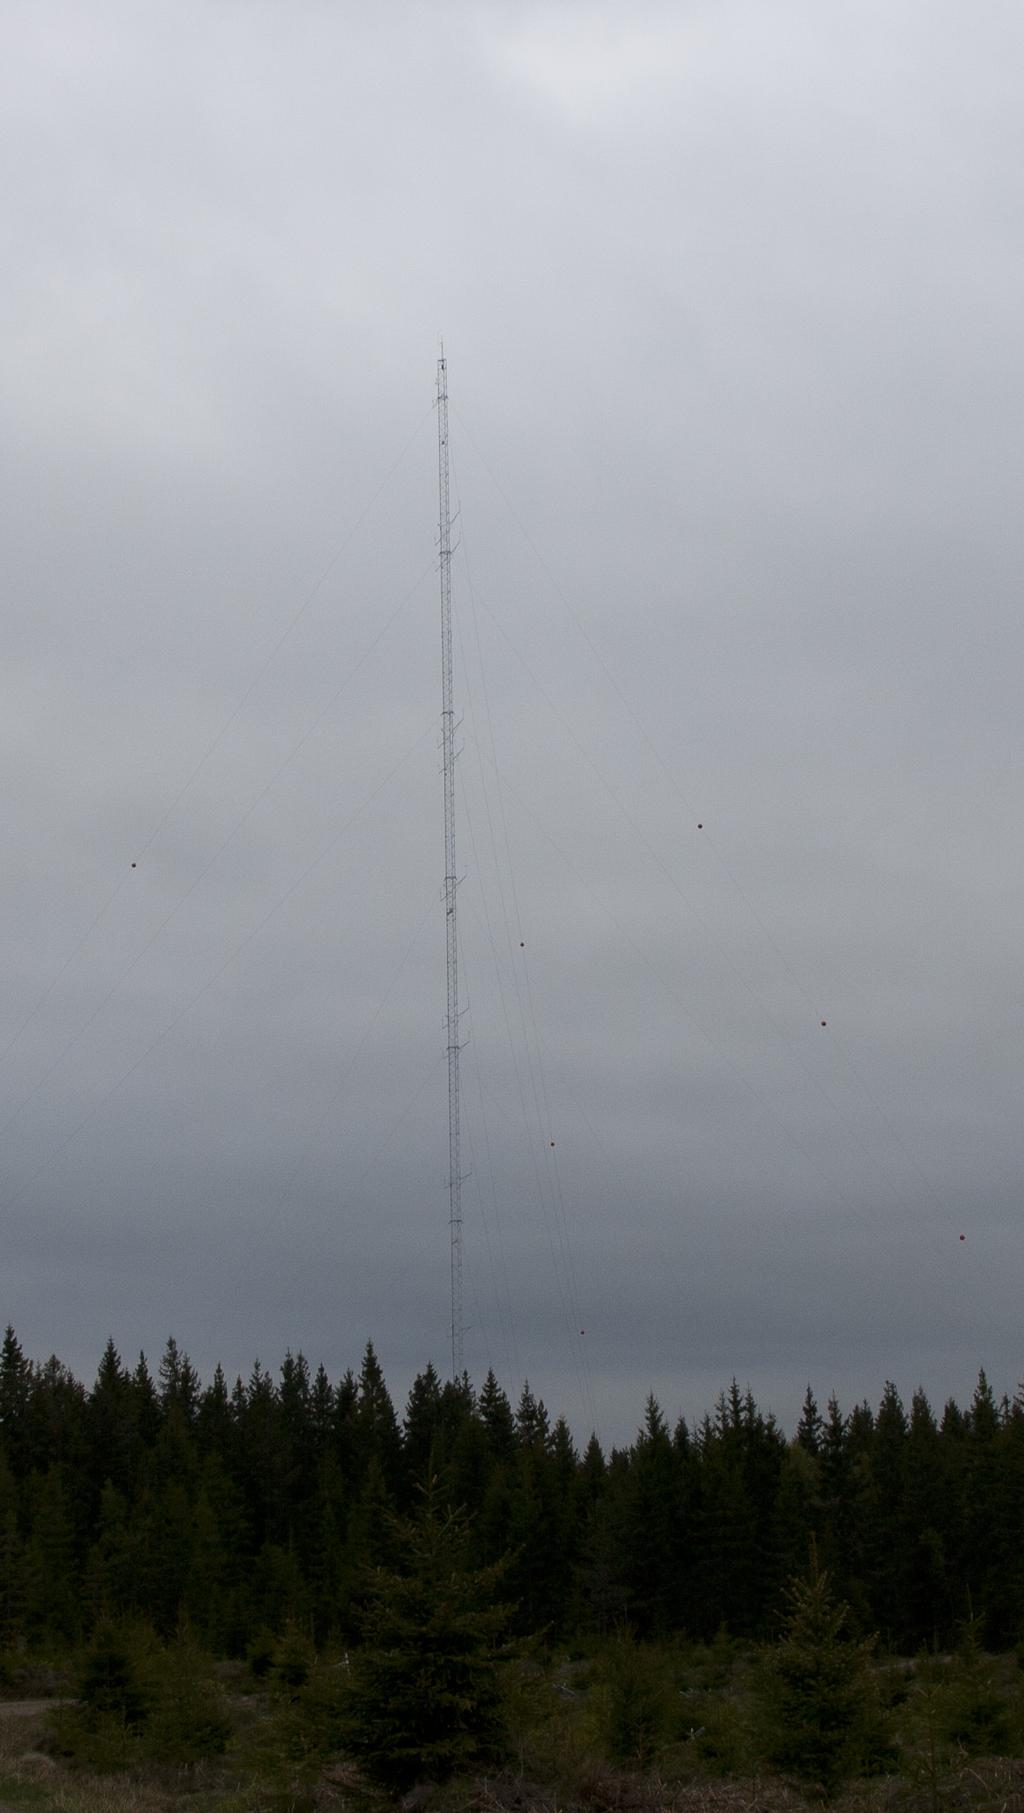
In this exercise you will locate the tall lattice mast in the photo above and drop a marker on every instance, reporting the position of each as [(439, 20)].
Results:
[(450, 876)]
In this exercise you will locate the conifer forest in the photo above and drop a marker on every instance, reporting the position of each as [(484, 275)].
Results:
[(290, 1524), (249, 1504)]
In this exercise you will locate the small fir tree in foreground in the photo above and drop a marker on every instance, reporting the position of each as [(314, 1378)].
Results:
[(103, 1726), (635, 1700), (824, 1718), (977, 1713), (423, 1693), (111, 1681), (188, 1718)]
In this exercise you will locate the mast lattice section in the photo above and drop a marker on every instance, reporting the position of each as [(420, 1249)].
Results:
[(450, 873)]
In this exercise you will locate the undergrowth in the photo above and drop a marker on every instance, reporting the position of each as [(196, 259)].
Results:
[(617, 1726)]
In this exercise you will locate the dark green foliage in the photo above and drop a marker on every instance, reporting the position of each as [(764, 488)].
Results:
[(110, 1573), (422, 1698), (637, 1696), (261, 1652), (719, 1736), (246, 1507), (823, 1718), (50, 1597), (649, 1530), (188, 1720), (288, 1745), (138, 1699), (538, 1528), (112, 1680), (498, 1421), (104, 1728), (976, 1713), (293, 1661), (15, 1403), (10, 1559), (810, 1428), (421, 1429)]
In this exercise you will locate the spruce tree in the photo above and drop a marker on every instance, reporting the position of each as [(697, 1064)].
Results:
[(647, 1528), (497, 1418), (810, 1428), (15, 1394), (377, 1430), (50, 1585), (929, 1611), (111, 1568), (824, 1720), (421, 1453), (108, 1431), (423, 1698)]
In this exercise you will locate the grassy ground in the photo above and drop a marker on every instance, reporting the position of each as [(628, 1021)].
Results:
[(691, 1715)]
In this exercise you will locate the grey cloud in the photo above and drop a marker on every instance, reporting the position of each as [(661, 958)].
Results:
[(731, 301)]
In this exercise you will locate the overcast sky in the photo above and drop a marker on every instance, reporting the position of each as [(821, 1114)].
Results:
[(731, 295)]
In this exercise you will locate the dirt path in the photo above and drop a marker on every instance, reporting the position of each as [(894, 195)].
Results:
[(24, 1709)]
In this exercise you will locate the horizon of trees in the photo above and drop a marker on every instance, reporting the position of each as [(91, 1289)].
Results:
[(244, 1509)]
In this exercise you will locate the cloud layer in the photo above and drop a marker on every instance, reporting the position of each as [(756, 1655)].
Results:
[(731, 299)]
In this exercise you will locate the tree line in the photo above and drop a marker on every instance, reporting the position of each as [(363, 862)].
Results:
[(244, 1510)]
